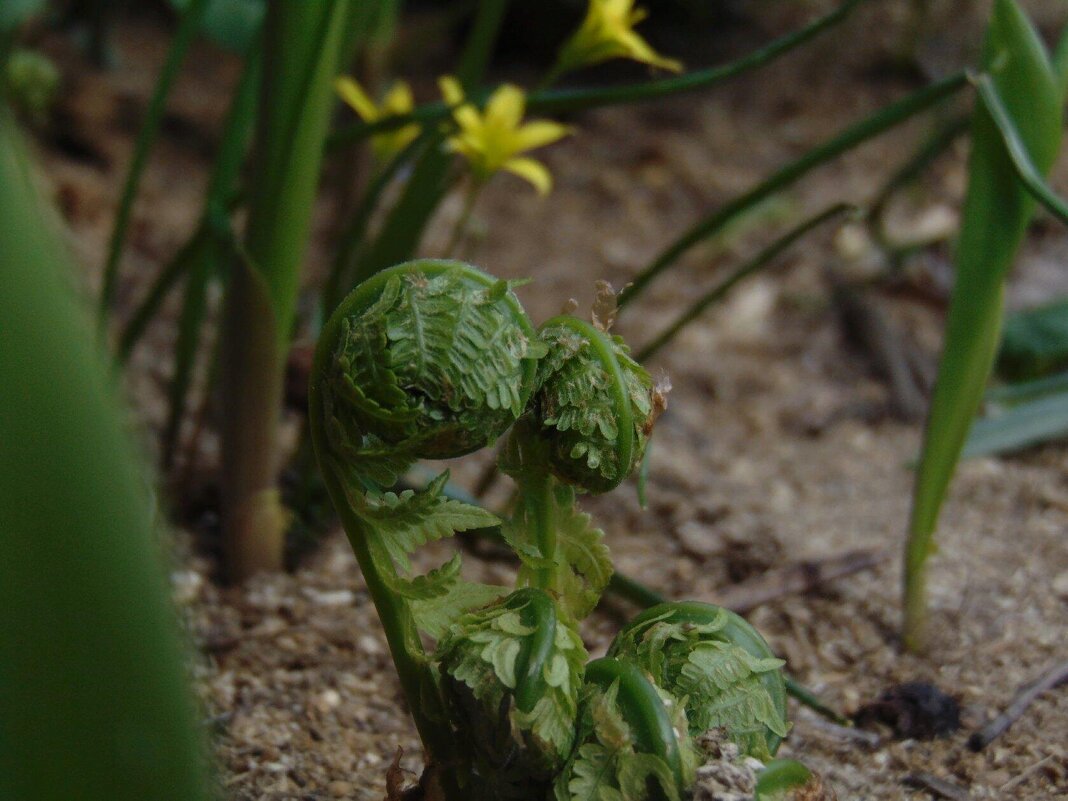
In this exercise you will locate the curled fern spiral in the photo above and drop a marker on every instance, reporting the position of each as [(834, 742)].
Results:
[(632, 739), (511, 673), (719, 663), (429, 359), (594, 404)]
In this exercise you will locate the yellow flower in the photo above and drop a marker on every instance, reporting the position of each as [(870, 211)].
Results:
[(607, 32), (493, 139), (398, 101)]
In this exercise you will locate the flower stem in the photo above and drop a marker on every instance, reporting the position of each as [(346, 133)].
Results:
[(464, 220)]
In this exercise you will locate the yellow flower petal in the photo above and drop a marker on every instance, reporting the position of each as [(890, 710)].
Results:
[(615, 9), (533, 171), (451, 90), (468, 119), (398, 99), (608, 32), (506, 106), (538, 134), (639, 50), (354, 95)]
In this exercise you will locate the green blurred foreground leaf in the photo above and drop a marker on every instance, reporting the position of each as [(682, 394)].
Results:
[(231, 23), (93, 702)]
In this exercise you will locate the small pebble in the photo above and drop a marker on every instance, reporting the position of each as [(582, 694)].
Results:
[(340, 789)]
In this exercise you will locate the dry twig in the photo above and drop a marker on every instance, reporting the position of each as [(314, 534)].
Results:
[(796, 579), (1056, 675), (939, 787)]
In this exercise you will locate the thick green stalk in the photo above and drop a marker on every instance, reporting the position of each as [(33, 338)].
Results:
[(187, 29), (302, 45), (876, 124), (538, 495), (997, 209), (93, 697)]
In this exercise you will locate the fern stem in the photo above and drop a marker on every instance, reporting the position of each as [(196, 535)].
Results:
[(538, 494), (402, 636)]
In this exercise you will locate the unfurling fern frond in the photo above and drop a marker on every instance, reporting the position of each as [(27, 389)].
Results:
[(594, 404), (632, 740), (431, 359), (719, 664), (511, 673)]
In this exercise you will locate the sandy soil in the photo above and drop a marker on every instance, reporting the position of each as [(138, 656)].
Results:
[(779, 444)]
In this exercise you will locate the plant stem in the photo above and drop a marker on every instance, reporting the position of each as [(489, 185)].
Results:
[(417, 680), (405, 647), (187, 28), (566, 100), (302, 45), (857, 134), (462, 222), (538, 496), (758, 262)]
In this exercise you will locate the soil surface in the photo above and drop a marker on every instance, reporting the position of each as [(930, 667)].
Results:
[(782, 441)]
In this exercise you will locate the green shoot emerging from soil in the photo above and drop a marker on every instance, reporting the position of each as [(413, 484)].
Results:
[(434, 360)]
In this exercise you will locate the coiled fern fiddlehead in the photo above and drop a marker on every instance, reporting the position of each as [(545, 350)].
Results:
[(435, 359)]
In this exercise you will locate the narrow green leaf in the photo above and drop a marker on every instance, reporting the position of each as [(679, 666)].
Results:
[(878, 123), (215, 217), (190, 320), (1011, 394), (997, 210), (176, 269), (404, 225), (1021, 426), (1026, 170), (187, 29), (761, 260), (341, 279)]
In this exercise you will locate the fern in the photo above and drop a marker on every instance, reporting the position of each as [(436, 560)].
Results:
[(490, 660), (579, 402), (608, 765), (433, 364), (724, 689), (432, 360), (403, 522), (725, 686), (581, 565)]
